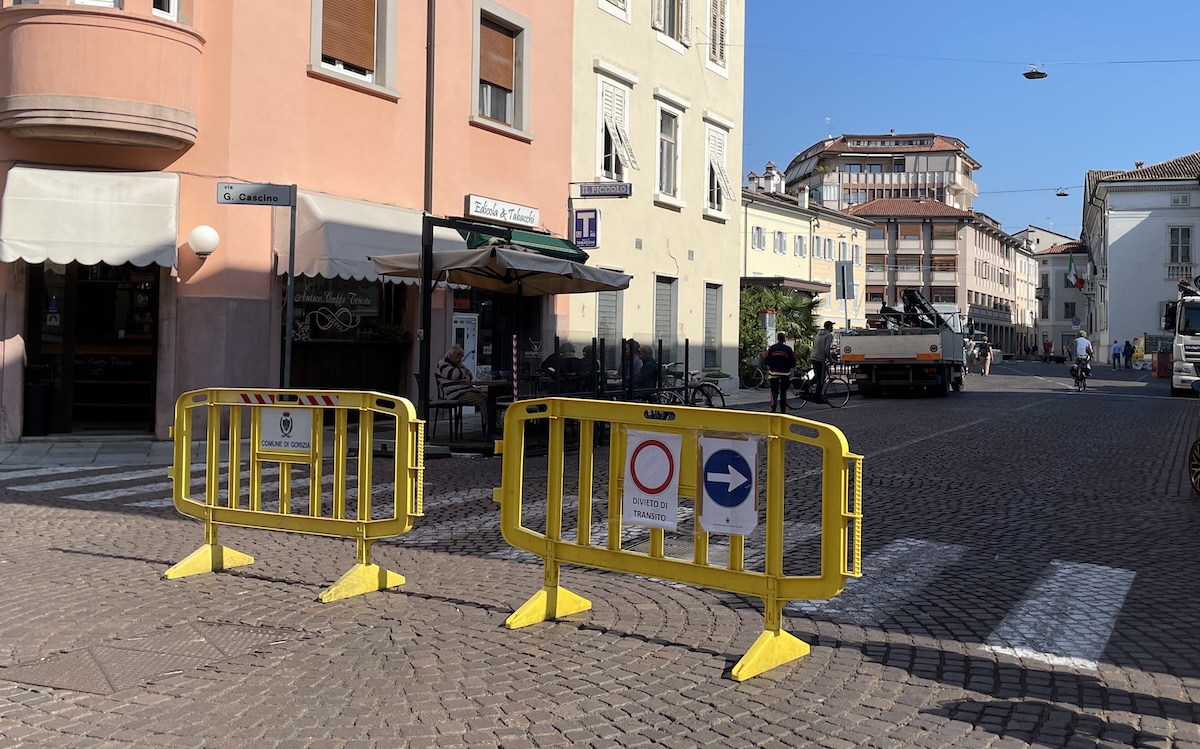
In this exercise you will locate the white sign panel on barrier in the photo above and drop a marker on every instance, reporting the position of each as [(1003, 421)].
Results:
[(651, 491), (729, 477), (286, 429)]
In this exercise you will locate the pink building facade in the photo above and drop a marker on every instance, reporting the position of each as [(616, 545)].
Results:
[(118, 122)]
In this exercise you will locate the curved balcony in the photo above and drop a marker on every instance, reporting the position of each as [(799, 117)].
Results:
[(94, 75)]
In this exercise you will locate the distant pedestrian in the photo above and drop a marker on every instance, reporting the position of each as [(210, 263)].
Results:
[(1128, 355), (779, 360), (969, 352), (1046, 348), (984, 351), (1117, 350)]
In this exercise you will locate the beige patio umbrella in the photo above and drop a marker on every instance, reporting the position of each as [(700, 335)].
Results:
[(507, 269)]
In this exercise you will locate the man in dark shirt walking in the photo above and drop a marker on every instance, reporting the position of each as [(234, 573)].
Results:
[(779, 360)]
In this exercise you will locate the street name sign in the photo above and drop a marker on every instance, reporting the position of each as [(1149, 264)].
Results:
[(253, 193), (729, 475), (651, 487), (605, 189)]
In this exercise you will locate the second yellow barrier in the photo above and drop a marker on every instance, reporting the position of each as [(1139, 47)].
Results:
[(287, 430), (657, 456)]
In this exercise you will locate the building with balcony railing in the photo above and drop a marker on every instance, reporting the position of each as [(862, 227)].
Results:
[(1141, 225), (952, 256), (851, 170)]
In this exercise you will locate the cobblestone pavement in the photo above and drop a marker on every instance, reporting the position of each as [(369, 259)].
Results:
[(1030, 580)]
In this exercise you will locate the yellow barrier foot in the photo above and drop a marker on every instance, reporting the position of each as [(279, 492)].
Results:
[(771, 649), (362, 578), (208, 558), (546, 605)]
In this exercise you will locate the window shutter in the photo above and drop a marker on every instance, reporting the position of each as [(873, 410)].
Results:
[(664, 303), (685, 33), (614, 118), (348, 32), (496, 47), (716, 155), (659, 18), (619, 3), (712, 323), (716, 29)]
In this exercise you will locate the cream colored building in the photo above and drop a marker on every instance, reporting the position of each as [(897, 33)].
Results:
[(658, 88), (789, 242)]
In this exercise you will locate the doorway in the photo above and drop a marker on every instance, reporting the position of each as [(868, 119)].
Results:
[(91, 349)]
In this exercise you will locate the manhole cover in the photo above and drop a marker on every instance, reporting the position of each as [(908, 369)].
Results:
[(120, 664)]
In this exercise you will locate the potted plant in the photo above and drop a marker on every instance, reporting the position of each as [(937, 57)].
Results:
[(727, 384)]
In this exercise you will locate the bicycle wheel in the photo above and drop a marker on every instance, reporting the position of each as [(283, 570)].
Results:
[(708, 395), (836, 391), (753, 378), (670, 398), (798, 395)]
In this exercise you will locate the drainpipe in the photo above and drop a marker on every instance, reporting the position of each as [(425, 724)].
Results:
[(426, 332)]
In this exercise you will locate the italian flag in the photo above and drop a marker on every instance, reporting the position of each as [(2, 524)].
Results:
[(1074, 278)]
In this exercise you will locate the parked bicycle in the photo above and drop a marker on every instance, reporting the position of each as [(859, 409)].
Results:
[(802, 388), (753, 375), (695, 390)]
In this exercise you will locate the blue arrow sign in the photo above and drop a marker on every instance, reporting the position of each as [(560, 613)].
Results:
[(727, 478)]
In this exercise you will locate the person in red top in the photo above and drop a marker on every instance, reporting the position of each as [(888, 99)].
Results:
[(1046, 346), (779, 360)]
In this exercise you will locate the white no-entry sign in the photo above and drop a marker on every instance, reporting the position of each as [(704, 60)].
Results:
[(651, 492), (729, 477)]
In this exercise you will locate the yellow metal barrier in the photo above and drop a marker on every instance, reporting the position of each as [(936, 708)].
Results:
[(287, 428), (639, 430)]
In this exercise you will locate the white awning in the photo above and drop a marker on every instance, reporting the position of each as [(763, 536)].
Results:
[(336, 237), (65, 216)]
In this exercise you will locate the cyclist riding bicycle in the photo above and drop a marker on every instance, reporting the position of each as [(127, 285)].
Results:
[(822, 355), (1083, 351)]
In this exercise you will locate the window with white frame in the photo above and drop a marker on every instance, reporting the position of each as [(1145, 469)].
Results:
[(502, 51), (828, 248), (668, 152), (718, 11), (96, 3), (352, 40), (712, 326), (673, 18), (758, 238), (616, 150), (780, 243), (843, 250), (800, 248), (719, 186), (168, 9), (1181, 244), (348, 37), (858, 254), (1181, 199), (608, 325), (665, 315)]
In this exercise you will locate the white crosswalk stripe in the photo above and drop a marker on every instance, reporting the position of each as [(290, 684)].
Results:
[(890, 577), (1067, 617), (77, 481), (49, 471)]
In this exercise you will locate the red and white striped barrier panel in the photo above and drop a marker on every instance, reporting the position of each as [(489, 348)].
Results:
[(260, 399)]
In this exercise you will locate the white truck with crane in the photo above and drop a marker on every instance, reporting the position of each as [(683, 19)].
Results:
[(917, 346), (1182, 317)]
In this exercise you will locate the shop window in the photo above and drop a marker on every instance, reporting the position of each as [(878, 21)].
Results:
[(334, 309)]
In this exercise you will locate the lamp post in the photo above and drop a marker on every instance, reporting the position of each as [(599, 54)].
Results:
[(423, 342)]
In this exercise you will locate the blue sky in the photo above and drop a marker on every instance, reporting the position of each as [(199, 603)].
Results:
[(1032, 136)]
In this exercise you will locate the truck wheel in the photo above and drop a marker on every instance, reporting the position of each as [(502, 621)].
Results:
[(958, 384), (942, 389), (1194, 466)]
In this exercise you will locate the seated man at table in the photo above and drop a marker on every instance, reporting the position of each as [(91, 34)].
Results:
[(646, 376), (561, 370), (590, 373), (457, 383)]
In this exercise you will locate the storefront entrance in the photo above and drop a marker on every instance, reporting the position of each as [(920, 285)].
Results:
[(91, 348)]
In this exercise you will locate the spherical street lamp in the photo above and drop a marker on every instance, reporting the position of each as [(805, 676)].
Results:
[(204, 240)]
